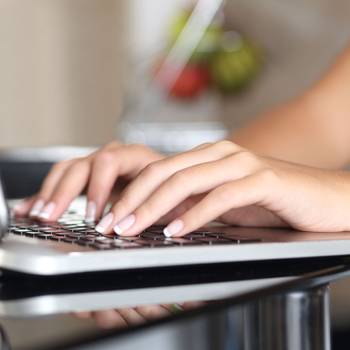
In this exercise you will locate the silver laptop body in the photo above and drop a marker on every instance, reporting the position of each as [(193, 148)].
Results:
[(34, 251)]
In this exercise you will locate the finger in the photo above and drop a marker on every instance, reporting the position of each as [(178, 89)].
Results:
[(153, 312), (255, 189), (69, 187), (107, 166), (109, 319), (22, 208), (179, 210), (104, 173), (48, 186), (188, 182), (155, 174), (131, 316), (190, 305)]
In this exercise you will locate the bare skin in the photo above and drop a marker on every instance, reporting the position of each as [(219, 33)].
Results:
[(313, 129), (252, 180)]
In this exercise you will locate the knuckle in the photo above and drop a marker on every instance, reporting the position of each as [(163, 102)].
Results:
[(80, 162), (137, 147), (268, 176), (179, 178), (203, 145), (152, 169), (226, 144), (106, 156), (110, 145), (62, 164), (245, 158), (141, 150), (77, 165)]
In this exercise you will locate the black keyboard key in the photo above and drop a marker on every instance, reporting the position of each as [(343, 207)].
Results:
[(195, 235), (84, 243), (143, 242), (88, 237), (155, 230), (46, 229), (128, 239), (153, 236), (42, 236), (250, 240), (60, 233), (92, 231), (74, 235), (214, 240), (103, 239), (31, 233), (59, 230), (216, 234), (28, 225), (184, 241), (79, 229), (164, 243), (118, 243), (55, 238), (69, 240), (102, 246), (20, 230)]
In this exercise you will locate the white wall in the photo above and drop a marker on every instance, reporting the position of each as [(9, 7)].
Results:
[(59, 71)]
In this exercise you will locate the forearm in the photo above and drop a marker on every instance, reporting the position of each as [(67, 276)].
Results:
[(313, 129)]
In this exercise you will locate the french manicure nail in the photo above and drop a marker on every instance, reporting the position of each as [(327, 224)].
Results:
[(90, 212), (37, 207), (173, 228), (104, 223), (47, 211), (124, 224)]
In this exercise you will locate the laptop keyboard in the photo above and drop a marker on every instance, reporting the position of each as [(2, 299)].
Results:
[(71, 228)]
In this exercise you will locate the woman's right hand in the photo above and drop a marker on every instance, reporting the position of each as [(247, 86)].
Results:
[(105, 171)]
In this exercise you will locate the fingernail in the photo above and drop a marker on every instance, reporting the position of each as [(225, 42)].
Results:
[(47, 211), (90, 212), (37, 207), (173, 228), (104, 223), (124, 224)]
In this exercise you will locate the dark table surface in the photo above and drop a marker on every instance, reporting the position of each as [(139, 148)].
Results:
[(182, 307)]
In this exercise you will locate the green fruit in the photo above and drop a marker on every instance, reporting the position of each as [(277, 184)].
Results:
[(177, 25), (235, 65), (208, 44)]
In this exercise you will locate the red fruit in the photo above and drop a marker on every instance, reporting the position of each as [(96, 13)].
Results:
[(191, 82)]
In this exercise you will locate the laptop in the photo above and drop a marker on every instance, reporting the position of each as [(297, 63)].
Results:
[(71, 245)]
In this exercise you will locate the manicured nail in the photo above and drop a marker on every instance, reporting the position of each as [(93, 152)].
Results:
[(104, 223), (124, 224), (37, 207), (173, 228), (90, 215), (47, 211)]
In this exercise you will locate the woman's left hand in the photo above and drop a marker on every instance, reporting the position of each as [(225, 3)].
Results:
[(223, 181)]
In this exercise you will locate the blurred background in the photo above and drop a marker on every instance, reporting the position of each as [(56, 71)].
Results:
[(84, 72), (71, 70)]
